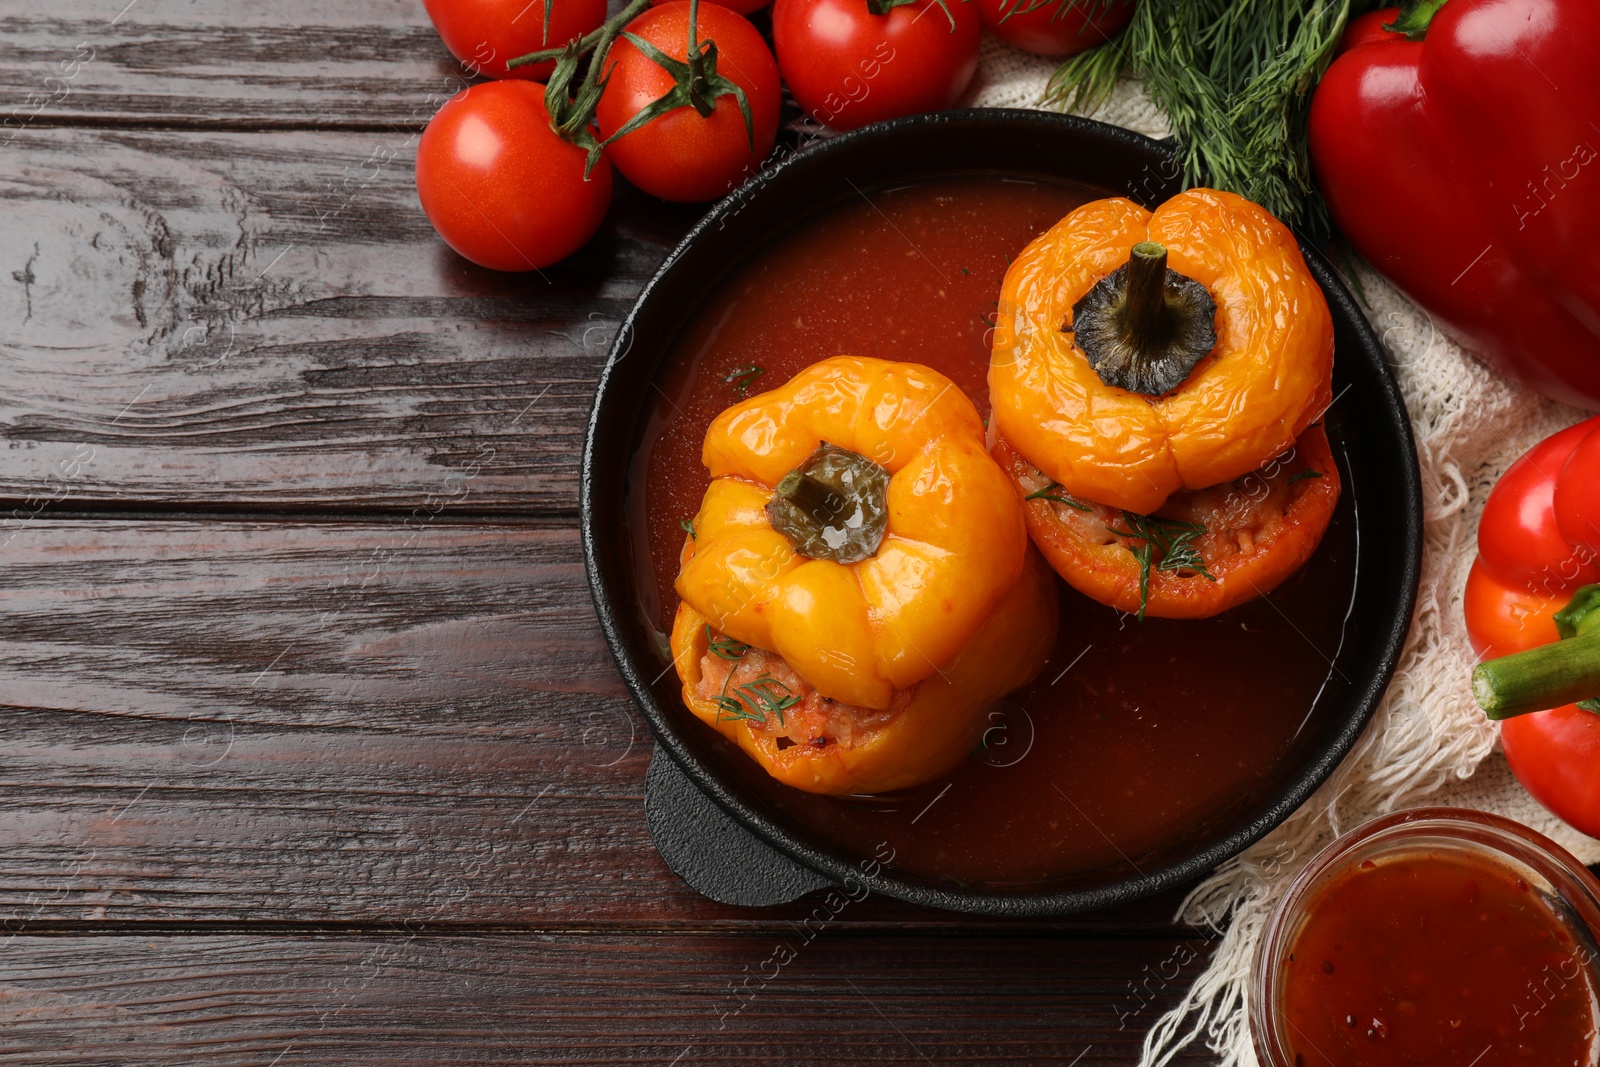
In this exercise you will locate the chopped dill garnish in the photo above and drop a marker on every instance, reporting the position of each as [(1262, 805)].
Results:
[(742, 378), (725, 647), (1164, 545), (769, 695), (1052, 492), (688, 527), (730, 708), (756, 700), (1307, 473)]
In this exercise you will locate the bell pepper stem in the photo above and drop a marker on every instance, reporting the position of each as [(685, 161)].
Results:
[(1147, 295), (1414, 18), (814, 497), (1143, 327), (1550, 676), (834, 506)]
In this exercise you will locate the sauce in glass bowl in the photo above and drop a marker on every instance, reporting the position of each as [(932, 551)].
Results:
[(1433, 937), (1137, 738)]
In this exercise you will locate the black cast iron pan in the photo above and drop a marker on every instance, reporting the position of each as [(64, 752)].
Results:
[(737, 847)]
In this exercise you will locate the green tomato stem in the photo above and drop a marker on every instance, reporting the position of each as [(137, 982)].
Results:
[(589, 41)]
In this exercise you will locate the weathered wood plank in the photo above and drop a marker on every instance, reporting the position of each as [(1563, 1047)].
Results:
[(268, 321), (412, 726), (331, 722), (592, 999), (369, 63)]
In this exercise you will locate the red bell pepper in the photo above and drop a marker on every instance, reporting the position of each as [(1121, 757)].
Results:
[(1533, 600), (1465, 167)]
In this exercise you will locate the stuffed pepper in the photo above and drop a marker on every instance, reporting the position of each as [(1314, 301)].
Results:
[(1158, 381), (857, 585)]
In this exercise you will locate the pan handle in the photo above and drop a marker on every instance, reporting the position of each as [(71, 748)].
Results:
[(706, 848)]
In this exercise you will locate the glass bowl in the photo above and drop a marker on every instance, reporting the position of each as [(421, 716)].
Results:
[(1567, 888)]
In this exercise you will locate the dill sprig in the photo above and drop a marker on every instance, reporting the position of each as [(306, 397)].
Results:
[(742, 378), (1235, 79), (1086, 9), (756, 700), (1053, 492), (725, 647), (1164, 545)]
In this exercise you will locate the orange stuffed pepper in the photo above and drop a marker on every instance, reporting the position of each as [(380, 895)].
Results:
[(1158, 380), (858, 585)]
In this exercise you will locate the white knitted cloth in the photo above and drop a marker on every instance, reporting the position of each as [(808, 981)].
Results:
[(1428, 743)]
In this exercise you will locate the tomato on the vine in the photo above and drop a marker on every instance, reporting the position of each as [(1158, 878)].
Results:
[(1055, 27), (687, 154), (483, 34), (743, 7), (851, 62), (502, 187)]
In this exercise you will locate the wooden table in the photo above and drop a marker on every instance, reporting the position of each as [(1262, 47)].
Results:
[(312, 750)]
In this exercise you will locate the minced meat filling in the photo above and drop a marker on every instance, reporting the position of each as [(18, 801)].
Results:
[(760, 688), (1238, 516)]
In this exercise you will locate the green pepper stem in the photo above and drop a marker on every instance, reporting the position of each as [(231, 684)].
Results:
[(1414, 18), (1147, 324), (816, 498), (1550, 676)]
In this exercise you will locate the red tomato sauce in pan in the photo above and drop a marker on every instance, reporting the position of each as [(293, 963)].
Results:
[(1137, 736), (1438, 959)]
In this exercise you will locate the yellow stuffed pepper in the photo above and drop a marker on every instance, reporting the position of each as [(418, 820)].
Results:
[(1158, 381), (858, 584)]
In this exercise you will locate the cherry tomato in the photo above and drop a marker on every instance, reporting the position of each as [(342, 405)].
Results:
[(1367, 29), (500, 186), (1502, 619), (1577, 497), (1054, 27), (1556, 756), (682, 155), (483, 34), (743, 7), (1519, 542), (847, 66)]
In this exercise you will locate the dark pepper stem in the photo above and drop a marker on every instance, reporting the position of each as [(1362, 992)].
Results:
[(814, 497), (1144, 327), (1550, 676), (834, 506), (1147, 321)]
